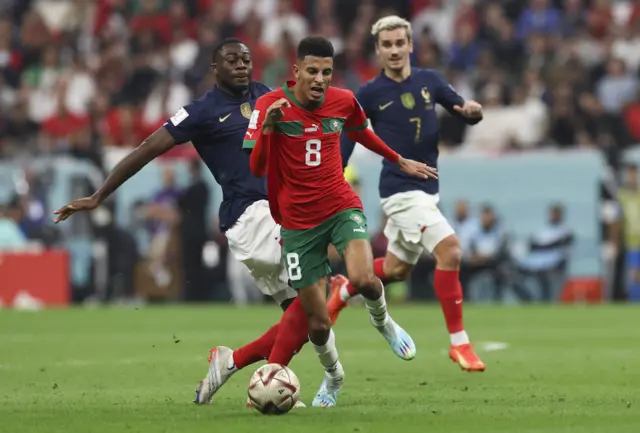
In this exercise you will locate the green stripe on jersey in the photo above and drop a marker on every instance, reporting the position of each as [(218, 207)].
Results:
[(248, 144), (358, 128), (332, 124), (292, 128)]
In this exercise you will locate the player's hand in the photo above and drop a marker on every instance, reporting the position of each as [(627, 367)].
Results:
[(82, 204), (417, 169), (470, 109), (274, 113)]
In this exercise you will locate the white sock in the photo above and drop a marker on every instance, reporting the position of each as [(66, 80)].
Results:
[(378, 310), (328, 356), (344, 293), (459, 338)]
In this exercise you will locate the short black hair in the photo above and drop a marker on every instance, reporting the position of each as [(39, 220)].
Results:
[(486, 208), (222, 44), (315, 46)]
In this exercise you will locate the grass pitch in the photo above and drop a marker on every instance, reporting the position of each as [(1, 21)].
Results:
[(564, 369)]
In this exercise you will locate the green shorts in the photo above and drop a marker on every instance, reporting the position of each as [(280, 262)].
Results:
[(305, 251)]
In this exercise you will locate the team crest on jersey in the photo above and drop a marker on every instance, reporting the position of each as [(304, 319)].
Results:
[(335, 126), (408, 101), (245, 109), (427, 98), (356, 218)]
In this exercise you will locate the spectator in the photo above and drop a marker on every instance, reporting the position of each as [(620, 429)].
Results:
[(287, 20), (162, 217), (550, 251), (488, 251), (617, 88), (540, 18), (464, 50), (192, 204), (11, 237), (632, 117)]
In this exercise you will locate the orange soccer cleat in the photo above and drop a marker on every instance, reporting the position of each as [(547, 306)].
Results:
[(335, 304), (464, 356)]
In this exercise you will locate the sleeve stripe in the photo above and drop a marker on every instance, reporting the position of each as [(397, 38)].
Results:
[(248, 144), (364, 126)]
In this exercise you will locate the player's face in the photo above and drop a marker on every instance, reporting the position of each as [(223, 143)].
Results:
[(233, 67), (314, 76), (394, 48)]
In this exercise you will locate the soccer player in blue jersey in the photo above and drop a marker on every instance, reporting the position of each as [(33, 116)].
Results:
[(400, 103), (216, 125)]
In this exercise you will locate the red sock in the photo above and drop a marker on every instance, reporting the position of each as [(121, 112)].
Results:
[(378, 269), (449, 292), (257, 350), (293, 333), (351, 292)]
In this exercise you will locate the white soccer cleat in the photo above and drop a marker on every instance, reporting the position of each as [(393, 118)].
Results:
[(327, 395), (219, 372), (400, 341)]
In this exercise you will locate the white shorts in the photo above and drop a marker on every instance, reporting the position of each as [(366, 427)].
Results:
[(414, 224), (255, 241)]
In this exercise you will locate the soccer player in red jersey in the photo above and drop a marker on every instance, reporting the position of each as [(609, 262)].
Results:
[(400, 103), (295, 136)]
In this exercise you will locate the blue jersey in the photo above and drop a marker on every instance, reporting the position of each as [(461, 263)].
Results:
[(216, 124), (404, 116)]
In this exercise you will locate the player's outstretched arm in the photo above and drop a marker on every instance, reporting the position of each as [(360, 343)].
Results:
[(470, 112), (155, 145), (371, 141)]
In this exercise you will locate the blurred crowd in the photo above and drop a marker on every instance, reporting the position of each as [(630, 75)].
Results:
[(78, 75)]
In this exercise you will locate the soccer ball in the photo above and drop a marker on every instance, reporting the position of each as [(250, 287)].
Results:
[(274, 389)]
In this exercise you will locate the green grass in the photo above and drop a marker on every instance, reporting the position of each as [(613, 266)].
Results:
[(119, 370)]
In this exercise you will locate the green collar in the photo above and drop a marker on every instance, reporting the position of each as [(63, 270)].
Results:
[(287, 91)]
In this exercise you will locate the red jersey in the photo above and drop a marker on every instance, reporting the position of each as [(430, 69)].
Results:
[(305, 179)]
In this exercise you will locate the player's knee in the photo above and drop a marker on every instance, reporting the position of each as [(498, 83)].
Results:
[(319, 328), (365, 282), (448, 253)]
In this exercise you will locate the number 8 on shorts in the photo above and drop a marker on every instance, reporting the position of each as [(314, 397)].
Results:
[(293, 267)]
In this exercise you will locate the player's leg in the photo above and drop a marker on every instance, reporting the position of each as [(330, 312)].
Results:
[(350, 237), (254, 240), (306, 261), (395, 266), (225, 362), (387, 269), (445, 247)]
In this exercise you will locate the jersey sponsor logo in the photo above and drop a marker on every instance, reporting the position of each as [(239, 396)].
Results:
[(222, 119), (408, 101), (245, 109), (383, 107), (313, 128), (179, 117), (253, 120)]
